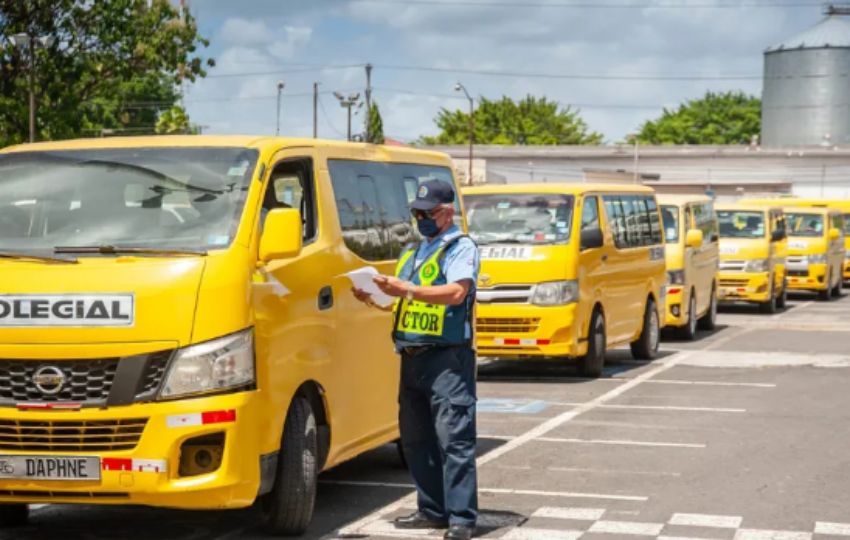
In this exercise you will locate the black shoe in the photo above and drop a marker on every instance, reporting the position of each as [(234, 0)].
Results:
[(459, 532), (418, 520)]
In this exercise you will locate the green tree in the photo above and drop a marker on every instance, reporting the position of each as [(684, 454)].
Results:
[(111, 64), (174, 121), (531, 120), (717, 118), (376, 125)]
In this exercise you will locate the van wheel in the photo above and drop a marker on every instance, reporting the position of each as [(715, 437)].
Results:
[(689, 331), (770, 306), (646, 346), (826, 294), (14, 515), (782, 301), (288, 509), (592, 363), (709, 320)]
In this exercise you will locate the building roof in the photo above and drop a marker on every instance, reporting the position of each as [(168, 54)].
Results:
[(833, 31), (553, 188)]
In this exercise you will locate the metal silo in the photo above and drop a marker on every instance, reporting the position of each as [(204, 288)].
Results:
[(806, 96)]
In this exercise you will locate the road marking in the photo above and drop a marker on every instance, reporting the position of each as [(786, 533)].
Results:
[(585, 514), (656, 408), (526, 533), (545, 428), (759, 534), (835, 529), (627, 527), (686, 538), (706, 520), (621, 442), (712, 383), (500, 491), (613, 471)]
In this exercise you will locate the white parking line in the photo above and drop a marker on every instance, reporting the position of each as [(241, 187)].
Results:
[(579, 514), (501, 491), (613, 471), (706, 520), (712, 383), (622, 442), (656, 408), (835, 529), (526, 533), (758, 534), (627, 527)]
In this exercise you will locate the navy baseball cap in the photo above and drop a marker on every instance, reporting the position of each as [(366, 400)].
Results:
[(433, 193)]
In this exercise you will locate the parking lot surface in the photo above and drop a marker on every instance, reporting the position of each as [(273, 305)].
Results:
[(739, 434)]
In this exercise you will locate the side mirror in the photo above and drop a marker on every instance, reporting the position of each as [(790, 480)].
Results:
[(834, 234), (281, 235), (694, 238), (592, 238), (777, 235)]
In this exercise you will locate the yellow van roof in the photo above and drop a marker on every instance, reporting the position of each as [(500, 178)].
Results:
[(563, 188), (679, 200), (740, 205)]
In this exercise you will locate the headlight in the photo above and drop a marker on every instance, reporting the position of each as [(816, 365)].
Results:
[(817, 259), (675, 277), (756, 265), (213, 366), (555, 293)]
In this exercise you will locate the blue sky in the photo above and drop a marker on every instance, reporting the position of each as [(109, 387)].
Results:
[(257, 43)]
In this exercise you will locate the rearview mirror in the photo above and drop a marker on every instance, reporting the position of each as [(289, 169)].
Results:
[(834, 234), (281, 237), (777, 235), (592, 238), (694, 238)]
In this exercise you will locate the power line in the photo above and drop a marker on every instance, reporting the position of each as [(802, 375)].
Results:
[(594, 5), (328, 119), (314, 68)]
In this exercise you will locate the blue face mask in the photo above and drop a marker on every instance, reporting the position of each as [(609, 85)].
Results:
[(427, 227)]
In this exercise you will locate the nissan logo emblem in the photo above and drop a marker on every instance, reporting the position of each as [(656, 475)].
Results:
[(49, 380)]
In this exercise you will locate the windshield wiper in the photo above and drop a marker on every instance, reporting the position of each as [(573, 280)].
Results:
[(118, 250), (17, 255)]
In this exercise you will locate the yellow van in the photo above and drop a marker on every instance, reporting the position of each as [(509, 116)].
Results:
[(842, 205), (176, 326), (691, 236), (568, 270), (753, 251), (816, 251)]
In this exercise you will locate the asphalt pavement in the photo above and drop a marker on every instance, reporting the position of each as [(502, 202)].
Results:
[(740, 434)]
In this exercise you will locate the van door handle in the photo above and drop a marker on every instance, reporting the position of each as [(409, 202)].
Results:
[(326, 298), (604, 258)]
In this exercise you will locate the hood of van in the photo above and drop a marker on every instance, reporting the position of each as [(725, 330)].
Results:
[(100, 300), (744, 249), (515, 264), (801, 245)]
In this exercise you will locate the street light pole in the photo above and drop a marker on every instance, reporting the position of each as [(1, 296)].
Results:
[(461, 88), (29, 42), (280, 86), (347, 103)]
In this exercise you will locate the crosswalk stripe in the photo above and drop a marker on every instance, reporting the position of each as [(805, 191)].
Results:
[(706, 520), (588, 514), (627, 527), (836, 529), (759, 534), (527, 533)]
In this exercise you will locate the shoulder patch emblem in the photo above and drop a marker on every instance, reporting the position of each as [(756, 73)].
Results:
[(423, 192)]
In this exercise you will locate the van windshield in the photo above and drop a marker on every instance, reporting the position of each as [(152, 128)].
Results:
[(740, 224), (804, 224), (670, 216), (160, 198), (524, 218)]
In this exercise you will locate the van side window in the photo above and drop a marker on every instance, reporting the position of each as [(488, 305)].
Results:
[(705, 220), (837, 222), (590, 213), (633, 220), (291, 186), (372, 202), (654, 220), (614, 213)]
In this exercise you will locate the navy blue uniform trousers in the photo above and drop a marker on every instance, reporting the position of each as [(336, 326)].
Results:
[(437, 422)]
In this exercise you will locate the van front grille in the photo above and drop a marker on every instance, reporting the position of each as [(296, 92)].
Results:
[(71, 435), (507, 325), (31, 494), (729, 282)]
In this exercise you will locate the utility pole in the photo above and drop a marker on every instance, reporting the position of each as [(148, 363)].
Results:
[(822, 179), (458, 88), (347, 103), (280, 86), (28, 43), (315, 110), (368, 102)]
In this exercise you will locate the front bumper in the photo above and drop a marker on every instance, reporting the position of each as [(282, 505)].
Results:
[(743, 287), (813, 278), (522, 330), (149, 473), (677, 306)]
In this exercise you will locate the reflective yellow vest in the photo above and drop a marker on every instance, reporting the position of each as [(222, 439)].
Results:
[(429, 324)]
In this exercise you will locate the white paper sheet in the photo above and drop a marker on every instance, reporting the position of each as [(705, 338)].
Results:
[(362, 279)]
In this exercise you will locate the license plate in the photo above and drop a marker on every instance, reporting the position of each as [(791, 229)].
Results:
[(50, 467)]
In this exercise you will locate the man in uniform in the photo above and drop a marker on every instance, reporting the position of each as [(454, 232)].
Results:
[(432, 329)]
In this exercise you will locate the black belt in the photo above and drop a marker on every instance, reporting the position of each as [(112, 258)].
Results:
[(417, 350)]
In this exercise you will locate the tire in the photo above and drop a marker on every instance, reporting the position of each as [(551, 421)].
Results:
[(826, 294), (288, 509), (770, 307), (646, 346), (14, 515), (782, 300), (709, 320), (689, 331), (591, 364)]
